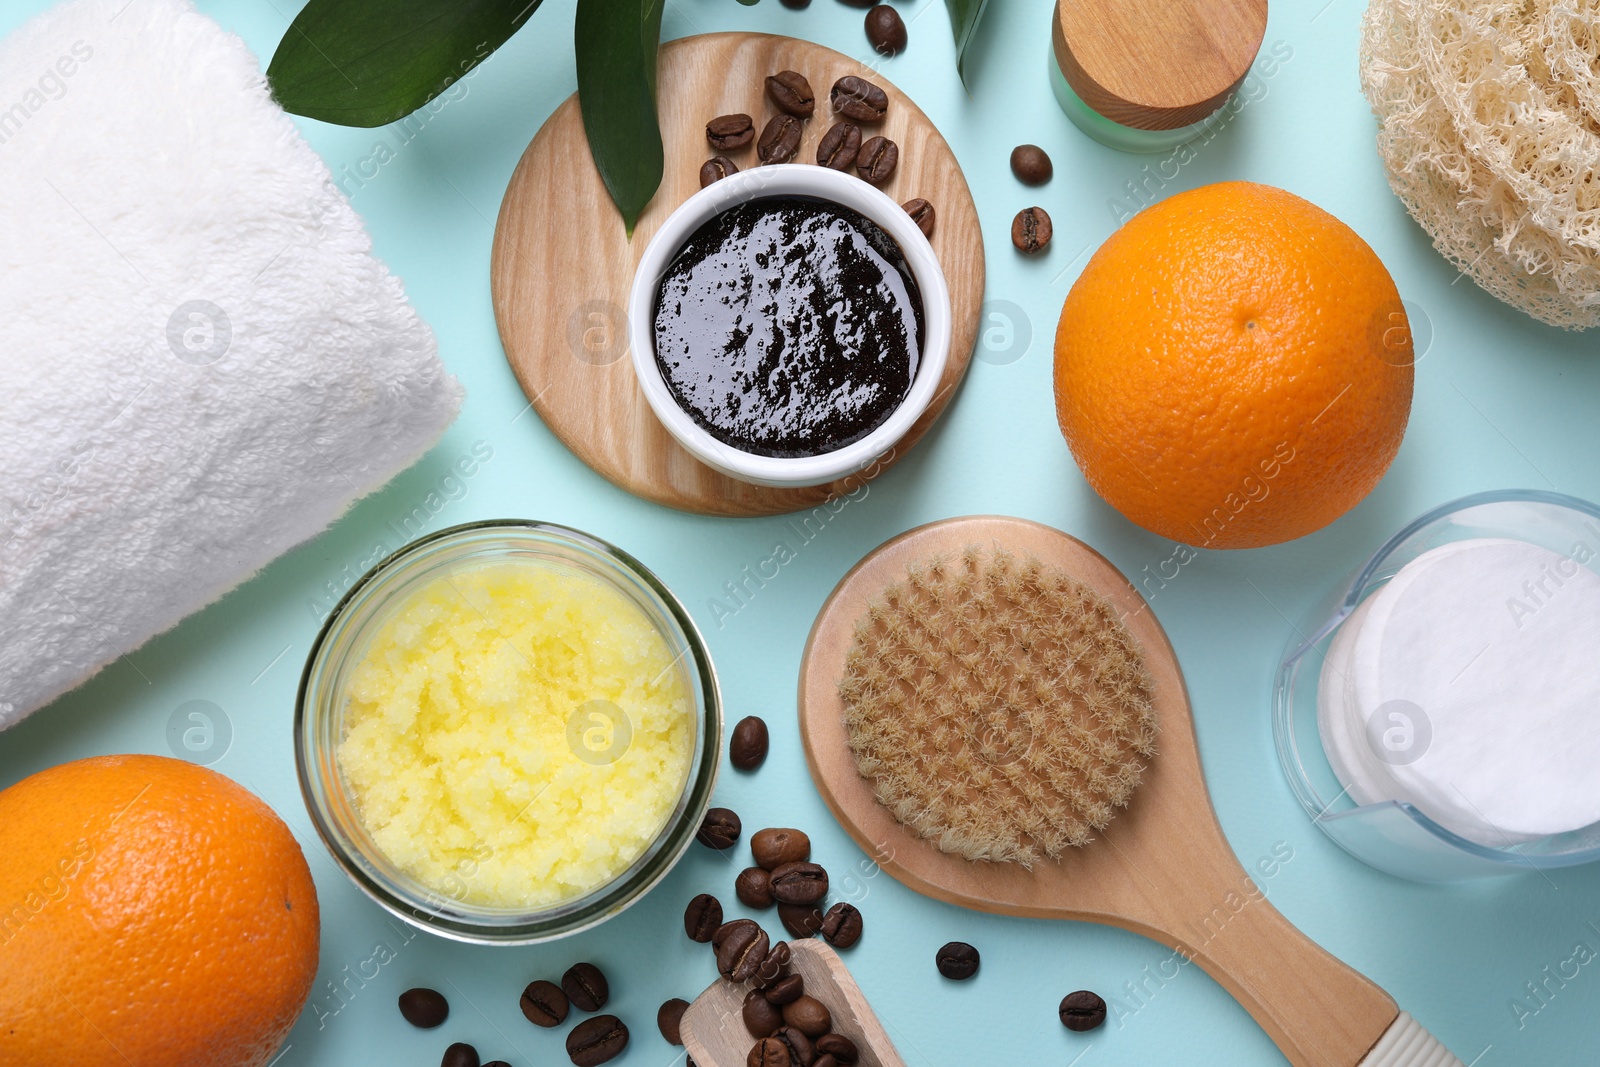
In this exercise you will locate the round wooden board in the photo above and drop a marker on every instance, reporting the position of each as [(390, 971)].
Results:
[(562, 264)]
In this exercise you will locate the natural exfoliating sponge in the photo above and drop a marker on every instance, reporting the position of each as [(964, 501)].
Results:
[(201, 362), (999, 706), (1489, 115)]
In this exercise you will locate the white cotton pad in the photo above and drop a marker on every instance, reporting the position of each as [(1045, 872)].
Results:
[(1485, 649)]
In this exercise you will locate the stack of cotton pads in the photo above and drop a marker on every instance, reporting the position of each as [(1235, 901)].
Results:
[(1469, 686)]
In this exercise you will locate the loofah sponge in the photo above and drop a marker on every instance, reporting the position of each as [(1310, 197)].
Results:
[(999, 707), (1490, 133)]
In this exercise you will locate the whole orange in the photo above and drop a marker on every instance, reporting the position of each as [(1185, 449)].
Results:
[(155, 914), (1233, 368)]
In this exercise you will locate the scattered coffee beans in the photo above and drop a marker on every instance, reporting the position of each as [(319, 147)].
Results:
[(748, 746), (1031, 165), (798, 1044), (769, 1052), (801, 920), (790, 91), (859, 99), (785, 990), (780, 140), (799, 883), (753, 887), (740, 946), (839, 1047), (957, 960), (839, 146), (777, 845), (669, 1018), (1082, 1011), (719, 830), (544, 1004), (761, 1016), (594, 1041), (877, 159), (716, 169), (702, 917), (1030, 230), (728, 132), (886, 30), (426, 1008), (460, 1054), (586, 987), (841, 927), (808, 1015), (921, 213)]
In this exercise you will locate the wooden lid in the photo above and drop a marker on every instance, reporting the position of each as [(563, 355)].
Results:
[(1157, 64)]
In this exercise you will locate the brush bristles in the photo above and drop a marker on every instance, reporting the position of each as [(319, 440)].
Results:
[(999, 707)]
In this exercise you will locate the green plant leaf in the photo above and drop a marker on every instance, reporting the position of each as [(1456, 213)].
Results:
[(370, 62), (615, 43), (964, 18)]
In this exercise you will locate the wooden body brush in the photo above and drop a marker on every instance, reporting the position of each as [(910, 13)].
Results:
[(1160, 868)]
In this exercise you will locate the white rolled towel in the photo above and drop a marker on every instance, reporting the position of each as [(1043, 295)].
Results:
[(201, 362)]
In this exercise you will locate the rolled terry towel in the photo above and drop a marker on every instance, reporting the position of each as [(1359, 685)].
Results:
[(201, 363)]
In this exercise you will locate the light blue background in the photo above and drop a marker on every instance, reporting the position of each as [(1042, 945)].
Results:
[(1501, 401)]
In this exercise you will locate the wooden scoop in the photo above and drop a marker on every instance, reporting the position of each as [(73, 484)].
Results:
[(713, 1027), (1162, 868)]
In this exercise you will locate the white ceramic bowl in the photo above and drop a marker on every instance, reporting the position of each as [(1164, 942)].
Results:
[(790, 179)]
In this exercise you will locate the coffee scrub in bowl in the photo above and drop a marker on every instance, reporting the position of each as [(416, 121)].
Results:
[(507, 731)]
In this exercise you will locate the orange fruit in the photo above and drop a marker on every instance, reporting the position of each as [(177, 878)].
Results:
[(155, 913), (1233, 367)]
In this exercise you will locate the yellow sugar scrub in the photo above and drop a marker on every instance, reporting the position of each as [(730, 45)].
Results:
[(517, 734)]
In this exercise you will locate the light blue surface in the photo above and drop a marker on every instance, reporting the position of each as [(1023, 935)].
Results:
[(1501, 401)]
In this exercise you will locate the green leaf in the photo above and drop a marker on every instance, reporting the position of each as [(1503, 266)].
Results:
[(964, 18), (370, 62), (615, 44)]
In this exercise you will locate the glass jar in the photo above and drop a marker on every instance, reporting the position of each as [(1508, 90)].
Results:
[(1394, 835), (319, 727)]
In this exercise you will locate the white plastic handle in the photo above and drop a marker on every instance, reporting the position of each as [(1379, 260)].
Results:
[(1407, 1044)]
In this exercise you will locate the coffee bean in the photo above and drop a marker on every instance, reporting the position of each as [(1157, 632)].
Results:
[(426, 1008), (795, 5), (1030, 230), (785, 990), (740, 946), (748, 748), (497, 1063), (777, 845), (922, 214), (715, 169), (719, 830), (702, 917), (586, 987), (859, 99), (669, 1019), (544, 1004), (460, 1054), (769, 1052), (860, 3), (839, 1047), (596, 1040), (877, 160), (799, 883), (774, 967), (839, 146), (801, 920), (886, 30), (825, 1061), (790, 91), (753, 887), (957, 960), (1082, 1011), (1031, 165), (798, 1044), (728, 132), (808, 1015), (780, 140), (841, 927), (761, 1016)]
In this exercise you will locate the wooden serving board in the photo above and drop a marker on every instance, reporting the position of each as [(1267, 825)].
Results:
[(1161, 868), (562, 264)]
